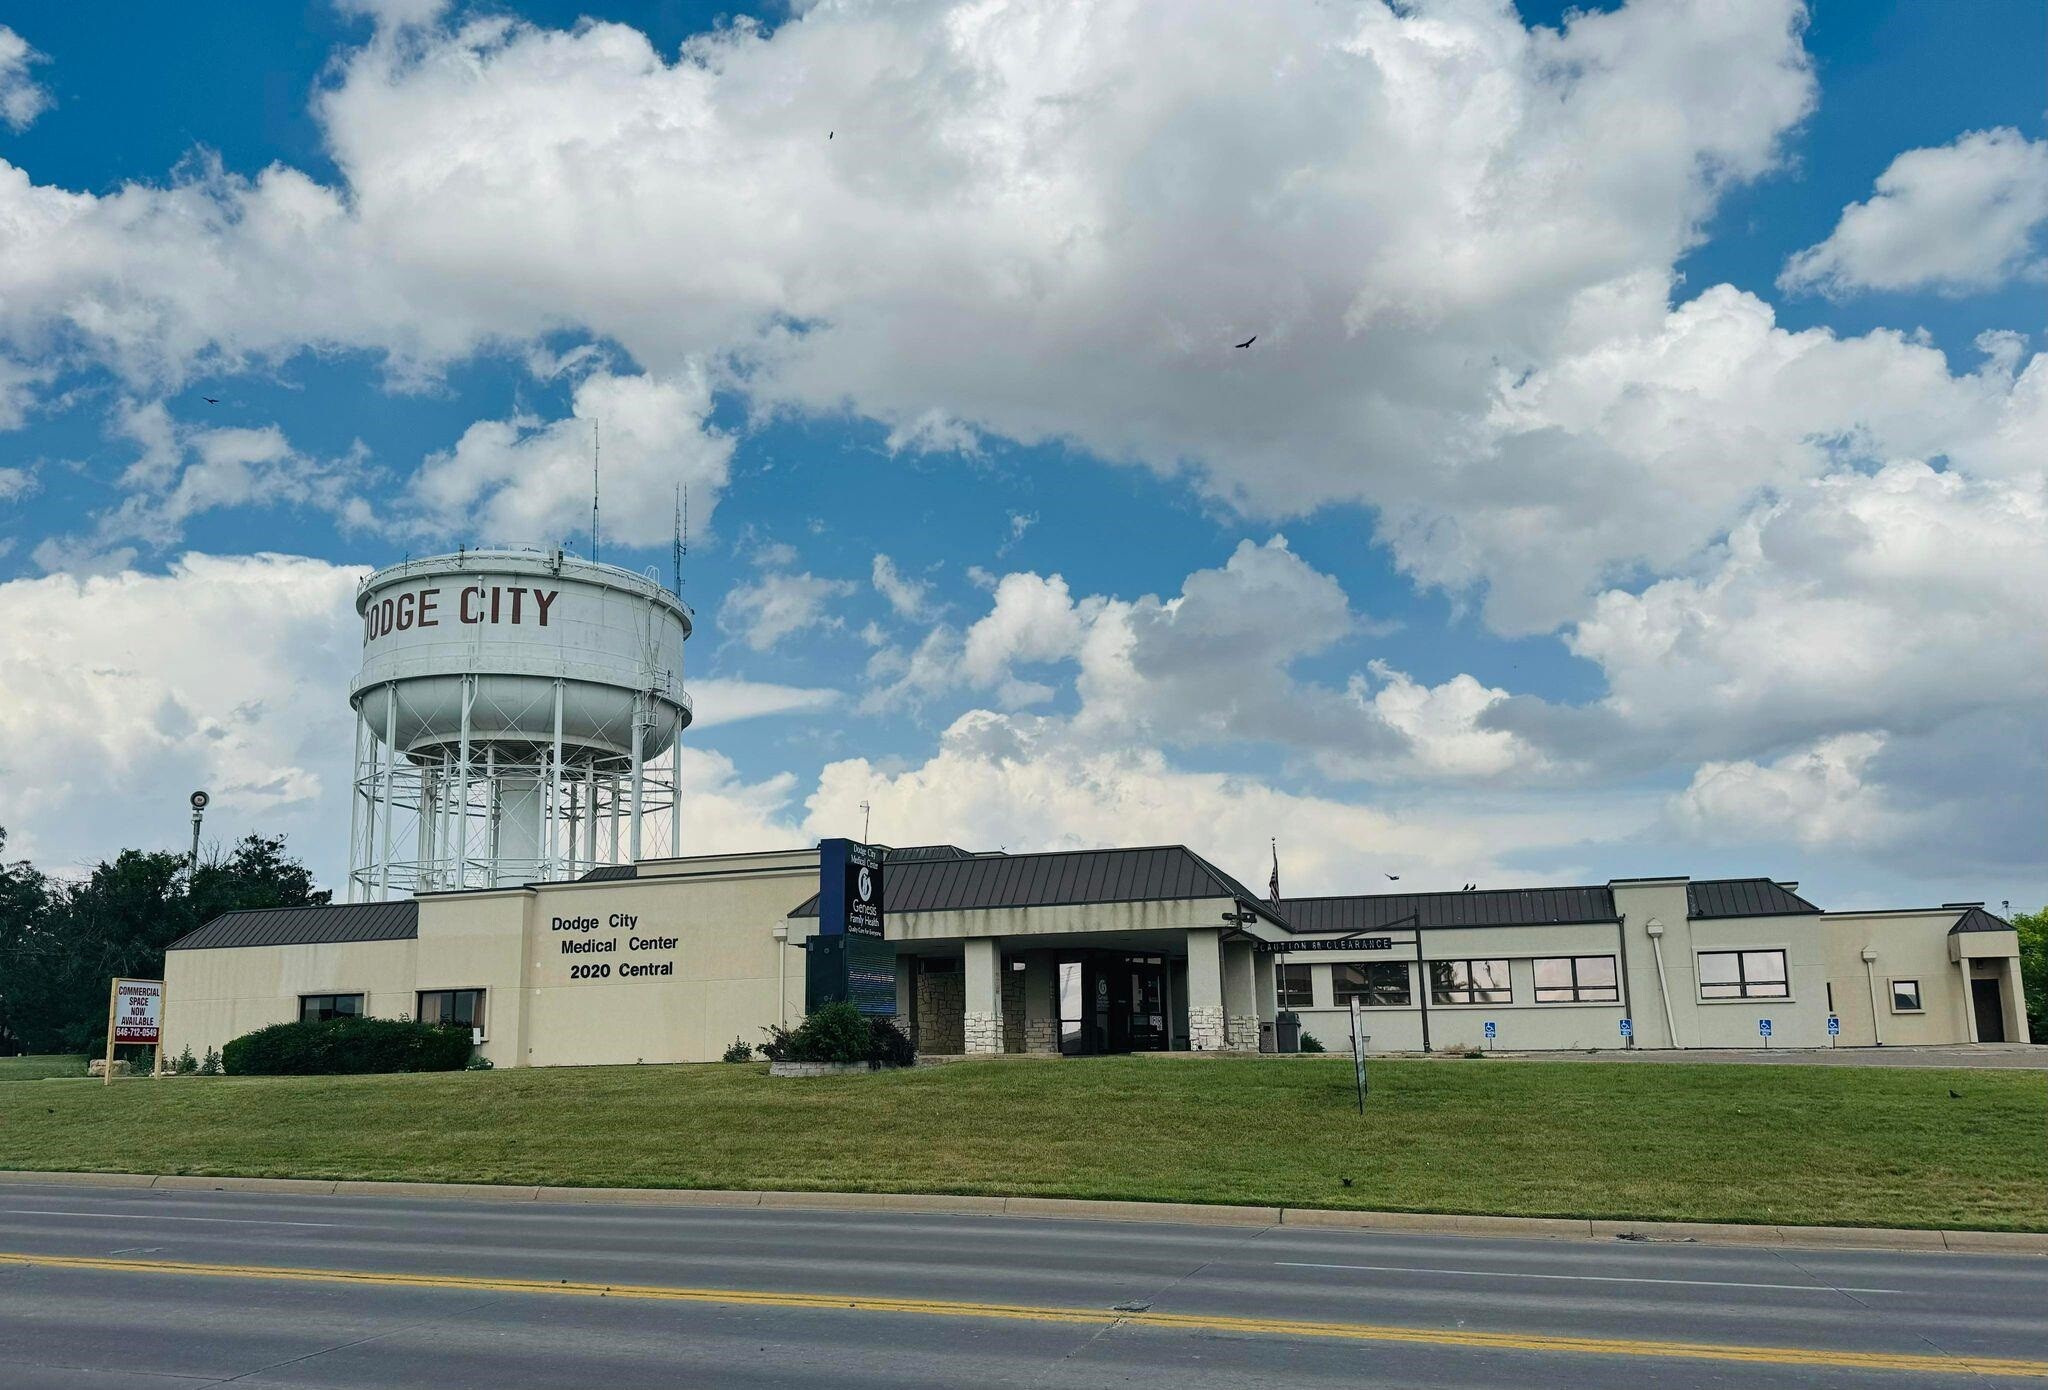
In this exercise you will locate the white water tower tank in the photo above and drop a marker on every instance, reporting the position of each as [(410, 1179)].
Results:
[(518, 714)]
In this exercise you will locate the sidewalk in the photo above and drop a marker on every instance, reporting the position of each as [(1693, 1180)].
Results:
[(1187, 1213)]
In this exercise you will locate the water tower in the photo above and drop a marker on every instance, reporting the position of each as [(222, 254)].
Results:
[(518, 715)]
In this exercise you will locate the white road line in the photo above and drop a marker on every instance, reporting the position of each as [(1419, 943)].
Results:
[(128, 1216), (1583, 1278)]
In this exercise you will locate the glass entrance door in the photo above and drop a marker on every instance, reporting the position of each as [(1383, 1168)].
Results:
[(1138, 1000), (1113, 1002)]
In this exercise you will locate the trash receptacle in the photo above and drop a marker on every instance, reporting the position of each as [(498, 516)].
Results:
[(1286, 1033)]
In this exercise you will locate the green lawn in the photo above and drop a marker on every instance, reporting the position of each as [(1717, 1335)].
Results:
[(1825, 1145), (37, 1067)]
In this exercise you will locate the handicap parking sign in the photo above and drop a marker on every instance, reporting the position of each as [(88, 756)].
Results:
[(1834, 1026), (1492, 1030), (1763, 1026), (1628, 1028)]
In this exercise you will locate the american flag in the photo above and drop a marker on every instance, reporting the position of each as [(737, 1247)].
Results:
[(1273, 886)]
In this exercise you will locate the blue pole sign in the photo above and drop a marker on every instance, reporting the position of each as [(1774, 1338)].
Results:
[(849, 889), (1763, 1027), (1628, 1028), (849, 958), (1492, 1030), (1834, 1026)]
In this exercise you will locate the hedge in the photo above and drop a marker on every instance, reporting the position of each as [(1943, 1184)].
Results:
[(347, 1046)]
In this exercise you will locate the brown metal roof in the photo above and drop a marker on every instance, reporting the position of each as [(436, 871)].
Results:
[(1491, 907), (1155, 873), (306, 926), (1742, 897), (1977, 919)]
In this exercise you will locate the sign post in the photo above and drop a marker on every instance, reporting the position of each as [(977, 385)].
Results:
[(1834, 1029), (1492, 1030), (1763, 1027), (1628, 1032), (135, 1014), (1358, 1041)]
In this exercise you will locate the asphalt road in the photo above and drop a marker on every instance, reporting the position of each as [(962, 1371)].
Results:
[(104, 1288)]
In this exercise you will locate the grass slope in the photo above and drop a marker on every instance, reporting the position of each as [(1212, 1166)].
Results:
[(41, 1065), (1824, 1145)]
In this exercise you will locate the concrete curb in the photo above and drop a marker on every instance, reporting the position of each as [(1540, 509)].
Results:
[(1078, 1209)]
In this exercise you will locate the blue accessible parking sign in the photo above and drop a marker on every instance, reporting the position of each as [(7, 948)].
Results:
[(1834, 1026), (1763, 1027), (1492, 1030), (1628, 1028)]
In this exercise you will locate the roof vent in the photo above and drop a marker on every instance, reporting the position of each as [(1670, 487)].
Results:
[(1975, 904), (1790, 885)]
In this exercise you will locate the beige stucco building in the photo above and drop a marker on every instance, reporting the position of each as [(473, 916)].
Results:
[(670, 960)]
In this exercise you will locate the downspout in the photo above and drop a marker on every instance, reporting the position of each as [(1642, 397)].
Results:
[(1655, 929), (1621, 943), (1422, 982), (782, 973), (1870, 979)]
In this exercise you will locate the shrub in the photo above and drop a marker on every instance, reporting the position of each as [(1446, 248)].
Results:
[(1311, 1043), (479, 1063), (210, 1065), (347, 1046), (739, 1052), (186, 1064), (839, 1033), (888, 1046)]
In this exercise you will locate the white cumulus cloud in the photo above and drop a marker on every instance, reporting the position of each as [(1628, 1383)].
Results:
[(1956, 218), (22, 98)]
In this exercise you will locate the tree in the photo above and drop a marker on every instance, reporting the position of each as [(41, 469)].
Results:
[(2033, 930), (24, 912), (58, 952)]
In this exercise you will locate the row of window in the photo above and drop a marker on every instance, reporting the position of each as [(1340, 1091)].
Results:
[(1559, 980), (459, 1007)]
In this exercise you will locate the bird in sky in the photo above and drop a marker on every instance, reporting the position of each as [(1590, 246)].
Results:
[(210, 400), (1249, 341), (1393, 878), (830, 133)]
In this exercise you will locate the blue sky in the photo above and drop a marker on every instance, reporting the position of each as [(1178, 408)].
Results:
[(1560, 525)]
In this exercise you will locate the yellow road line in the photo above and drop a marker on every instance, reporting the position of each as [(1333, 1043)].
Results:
[(1197, 1322)]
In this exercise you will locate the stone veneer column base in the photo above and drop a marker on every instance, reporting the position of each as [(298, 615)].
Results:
[(1244, 1032), (1205, 1030), (983, 1033), (1042, 1035)]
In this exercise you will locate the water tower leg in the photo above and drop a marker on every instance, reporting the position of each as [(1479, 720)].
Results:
[(612, 796), (589, 817), (459, 843), (493, 809), (429, 826), (356, 840), (390, 767), (675, 797), (555, 789), (639, 774)]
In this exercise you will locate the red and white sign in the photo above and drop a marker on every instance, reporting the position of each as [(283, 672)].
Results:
[(138, 1011)]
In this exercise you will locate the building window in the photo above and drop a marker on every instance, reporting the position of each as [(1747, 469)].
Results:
[(1905, 996), (1296, 984), (1576, 980), (455, 1007), (1379, 985), (1743, 975), (318, 1008), (1469, 982)]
